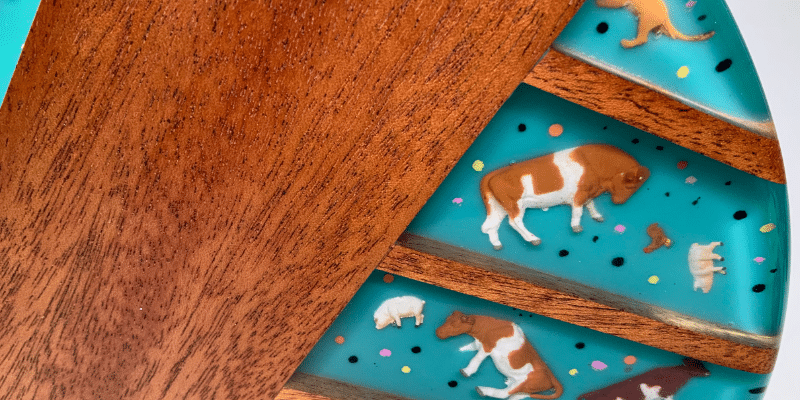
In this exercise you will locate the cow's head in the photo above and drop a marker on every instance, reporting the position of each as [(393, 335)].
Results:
[(626, 183), (456, 324)]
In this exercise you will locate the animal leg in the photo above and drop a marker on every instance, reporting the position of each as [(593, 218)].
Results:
[(518, 226), (492, 392), (474, 363), (611, 3), (577, 213), (593, 211), (472, 346), (419, 318), (494, 218), (641, 36), (397, 320)]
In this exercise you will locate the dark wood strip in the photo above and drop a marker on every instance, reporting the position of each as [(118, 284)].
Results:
[(658, 114), (522, 293), (192, 191), (310, 387)]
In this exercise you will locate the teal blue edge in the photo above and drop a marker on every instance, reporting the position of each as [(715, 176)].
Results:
[(16, 17), (434, 365)]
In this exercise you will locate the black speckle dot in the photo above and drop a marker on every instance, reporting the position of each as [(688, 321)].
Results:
[(353, 359), (594, 239), (773, 270), (618, 261), (659, 147), (635, 141), (728, 183), (563, 253), (530, 315), (757, 390), (739, 215), (724, 64), (452, 383), (416, 349), (666, 194), (605, 127), (759, 288), (602, 27), (702, 17), (522, 127), (694, 203), (580, 345)]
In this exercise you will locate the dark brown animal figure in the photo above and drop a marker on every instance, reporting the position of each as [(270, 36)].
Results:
[(526, 374), (652, 385), (573, 176), (657, 238)]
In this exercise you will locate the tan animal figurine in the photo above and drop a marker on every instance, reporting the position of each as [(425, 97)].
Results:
[(653, 17), (526, 374), (701, 265), (657, 238), (574, 176)]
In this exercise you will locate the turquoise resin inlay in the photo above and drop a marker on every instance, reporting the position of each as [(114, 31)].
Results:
[(434, 364), (16, 17), (734, 94), (749, 298)]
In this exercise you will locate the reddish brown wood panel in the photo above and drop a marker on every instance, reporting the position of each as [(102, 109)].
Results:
[(519, 293), (658, 114), (192, 191)]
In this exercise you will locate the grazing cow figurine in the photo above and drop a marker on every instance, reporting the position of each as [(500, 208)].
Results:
[(574, 176), (701, 265), (526, 374), (392, 310), (656, 384)]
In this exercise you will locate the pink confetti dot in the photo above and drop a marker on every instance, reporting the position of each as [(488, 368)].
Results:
[(759, 259), (458, 200), (386, 353), (619, 229), (599, 365)]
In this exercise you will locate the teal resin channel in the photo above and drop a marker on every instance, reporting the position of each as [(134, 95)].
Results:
[(749, 298), (581, 359), (733, 94), (16, 17)]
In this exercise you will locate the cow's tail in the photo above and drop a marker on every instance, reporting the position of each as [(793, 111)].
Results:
[(674, 33), (559, 390), (486, 191)]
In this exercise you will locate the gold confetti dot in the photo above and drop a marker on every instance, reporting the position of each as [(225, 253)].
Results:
[(653, 279), (683, 72), (573, 372), (767, 228), (406, 369), (388, 278), (339, 340), (477, 165), (555, 130)]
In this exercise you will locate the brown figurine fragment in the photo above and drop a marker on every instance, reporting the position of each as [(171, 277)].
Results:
[(658, 383), (657, 238)]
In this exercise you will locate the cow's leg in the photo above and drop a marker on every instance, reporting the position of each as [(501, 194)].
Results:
[(593, 211), (518, 226), (492, 392), (495, 215), (475, 345), (476, 361), (577, 212)]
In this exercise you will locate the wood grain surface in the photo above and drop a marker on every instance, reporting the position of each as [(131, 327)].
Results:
[(310, 387), (582, 311), (192, 191), (658, 114)]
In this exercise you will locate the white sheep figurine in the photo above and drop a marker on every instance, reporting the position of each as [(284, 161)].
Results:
[(701, 265), (392, 310)]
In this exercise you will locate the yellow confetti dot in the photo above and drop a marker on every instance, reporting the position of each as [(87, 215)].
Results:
[(406, 369), (767, 228), (477, 165), (653, 279), (555, 130), (573, 372), (683, 72)]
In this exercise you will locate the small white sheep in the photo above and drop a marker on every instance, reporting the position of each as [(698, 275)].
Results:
[(701, 265), (392, 310)]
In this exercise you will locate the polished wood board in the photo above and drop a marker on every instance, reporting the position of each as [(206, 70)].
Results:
[(192, 191), (653, 112)]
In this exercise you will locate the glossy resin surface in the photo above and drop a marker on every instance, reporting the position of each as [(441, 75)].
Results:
[(715, 75), (694, 199), (16, 17), (412, 362)]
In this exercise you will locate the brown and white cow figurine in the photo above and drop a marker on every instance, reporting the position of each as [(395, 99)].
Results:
[(526, 374), (574, 176)]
